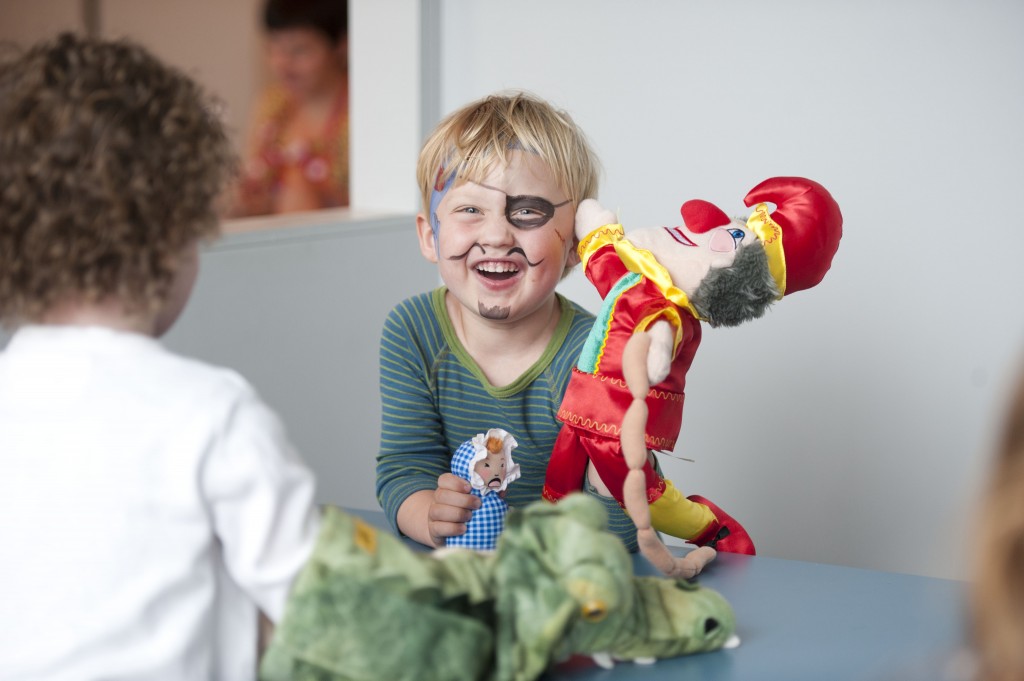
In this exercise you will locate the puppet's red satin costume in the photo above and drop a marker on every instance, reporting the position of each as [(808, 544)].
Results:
[(597, 395), (635, 297)]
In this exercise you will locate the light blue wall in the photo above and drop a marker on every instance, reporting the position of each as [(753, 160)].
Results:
[(853, 424), (298, 311)]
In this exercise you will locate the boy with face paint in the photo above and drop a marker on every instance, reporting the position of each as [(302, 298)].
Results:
[(494, 346)]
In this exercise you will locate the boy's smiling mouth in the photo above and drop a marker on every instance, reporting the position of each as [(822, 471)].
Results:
[(497, 270)]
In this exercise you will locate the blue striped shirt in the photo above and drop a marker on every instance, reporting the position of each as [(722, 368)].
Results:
[(434, 397)]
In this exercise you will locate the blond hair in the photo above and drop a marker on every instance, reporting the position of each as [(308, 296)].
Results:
[(472, 140), (111, 165), (998, 589)]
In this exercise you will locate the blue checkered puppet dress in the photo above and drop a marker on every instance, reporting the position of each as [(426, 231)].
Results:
[(488, 521)]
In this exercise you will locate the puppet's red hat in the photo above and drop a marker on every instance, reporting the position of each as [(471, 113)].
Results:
[(811, 227)]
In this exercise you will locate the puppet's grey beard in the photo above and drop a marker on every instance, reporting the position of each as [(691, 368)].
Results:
[(496, 312), (730, 296)]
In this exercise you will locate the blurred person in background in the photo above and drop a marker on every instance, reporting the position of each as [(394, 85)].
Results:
[(998, 588), (296, 155)]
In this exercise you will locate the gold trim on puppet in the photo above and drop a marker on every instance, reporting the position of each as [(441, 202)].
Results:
[(602, 236), (770, 234)]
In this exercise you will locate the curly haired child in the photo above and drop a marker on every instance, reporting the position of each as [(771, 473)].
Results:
[(150, 505)]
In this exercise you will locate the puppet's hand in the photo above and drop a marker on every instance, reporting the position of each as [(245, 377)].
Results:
[(659, 357), (590, 215)]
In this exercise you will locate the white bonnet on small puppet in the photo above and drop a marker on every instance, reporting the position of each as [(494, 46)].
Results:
[(493, 440)]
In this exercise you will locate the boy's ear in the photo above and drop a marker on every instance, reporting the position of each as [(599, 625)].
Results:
[(574, 254), (428, 246)]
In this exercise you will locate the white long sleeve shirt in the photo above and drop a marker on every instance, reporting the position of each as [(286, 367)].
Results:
[(150, 505)]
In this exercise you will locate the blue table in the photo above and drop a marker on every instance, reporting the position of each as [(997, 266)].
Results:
[(800, 620)]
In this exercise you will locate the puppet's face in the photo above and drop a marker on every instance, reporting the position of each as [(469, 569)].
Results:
[(491, 469), (502, 243), (689, 256)]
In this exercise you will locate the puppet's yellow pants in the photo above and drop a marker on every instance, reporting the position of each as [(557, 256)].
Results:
[(674, 514)]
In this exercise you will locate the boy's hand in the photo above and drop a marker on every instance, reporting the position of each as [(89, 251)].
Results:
[(451, 508)]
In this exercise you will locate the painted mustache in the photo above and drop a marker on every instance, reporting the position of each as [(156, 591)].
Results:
[(512, 251)]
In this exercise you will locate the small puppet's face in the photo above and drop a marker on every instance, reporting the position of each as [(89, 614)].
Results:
[(502, 243), (688, 255), (491, 469)]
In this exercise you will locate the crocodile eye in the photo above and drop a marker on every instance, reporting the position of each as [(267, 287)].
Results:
[(594, 611)]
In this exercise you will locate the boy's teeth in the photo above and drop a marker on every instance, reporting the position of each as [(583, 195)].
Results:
[(497, 267)]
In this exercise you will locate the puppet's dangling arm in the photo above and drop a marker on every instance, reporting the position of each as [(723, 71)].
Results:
[(692, 518), (635, 368), (672, 513)]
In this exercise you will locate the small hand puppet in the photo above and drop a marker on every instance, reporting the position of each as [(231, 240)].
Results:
[(625, 396), (367, 607), (486, 462)]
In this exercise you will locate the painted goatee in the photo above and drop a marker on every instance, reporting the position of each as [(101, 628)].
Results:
[(495, 312)]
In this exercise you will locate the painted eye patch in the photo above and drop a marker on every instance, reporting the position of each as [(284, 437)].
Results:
[(530, 212), (526, 211)]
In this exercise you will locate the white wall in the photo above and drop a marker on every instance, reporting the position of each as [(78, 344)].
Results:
[(853, 424), (385, 108)]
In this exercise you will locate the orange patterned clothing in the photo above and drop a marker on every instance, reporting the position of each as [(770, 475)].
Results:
[(322, 160)]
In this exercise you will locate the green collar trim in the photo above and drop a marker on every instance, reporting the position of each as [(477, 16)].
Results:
[(437, 301)]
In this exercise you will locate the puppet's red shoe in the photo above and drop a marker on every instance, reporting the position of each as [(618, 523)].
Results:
[(725, 534)]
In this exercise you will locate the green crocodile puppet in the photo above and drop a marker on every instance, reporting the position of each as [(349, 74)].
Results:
[(367, 607)]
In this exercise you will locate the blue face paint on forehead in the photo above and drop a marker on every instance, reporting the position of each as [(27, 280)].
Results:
[(441, 188)]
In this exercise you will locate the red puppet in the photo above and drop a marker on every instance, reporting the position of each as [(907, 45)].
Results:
[(660, 283)]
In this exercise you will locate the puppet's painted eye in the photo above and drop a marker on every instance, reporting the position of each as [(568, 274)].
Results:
[(594, 611), (737, 234)]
